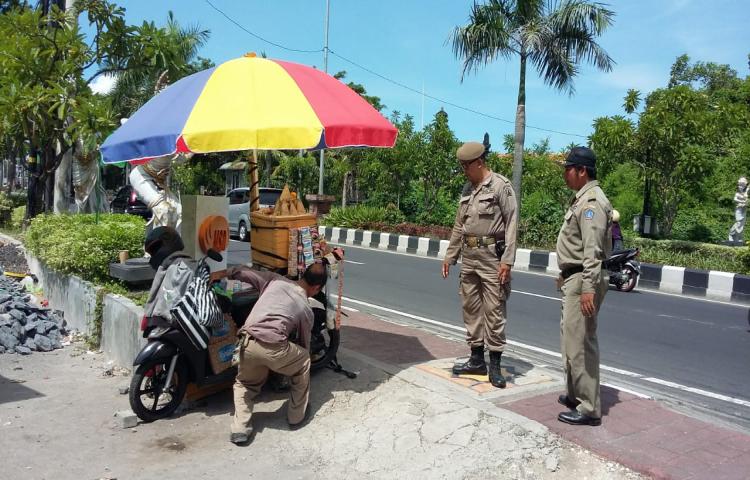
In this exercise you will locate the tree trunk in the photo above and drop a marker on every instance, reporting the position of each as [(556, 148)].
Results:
[(49, 193), (34, 196), (62, 184), (12, 171), (345, 189), (520, 135)]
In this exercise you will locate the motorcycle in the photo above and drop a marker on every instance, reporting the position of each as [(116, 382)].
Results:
[(623, 269), (170, 361)]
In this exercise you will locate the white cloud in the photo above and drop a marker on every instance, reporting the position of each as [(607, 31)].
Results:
[(638, 76), (103, 84)]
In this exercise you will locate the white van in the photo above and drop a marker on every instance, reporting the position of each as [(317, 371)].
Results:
[(239, 209)]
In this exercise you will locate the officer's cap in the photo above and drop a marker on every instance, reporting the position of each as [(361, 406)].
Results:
[(469, 151), (582, 156)]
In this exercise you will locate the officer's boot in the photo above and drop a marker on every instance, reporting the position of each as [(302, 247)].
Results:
[(496, 375), (475, 365)]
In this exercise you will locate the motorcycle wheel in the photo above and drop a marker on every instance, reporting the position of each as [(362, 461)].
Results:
[(147, 397), (332, 346), (632, 276)]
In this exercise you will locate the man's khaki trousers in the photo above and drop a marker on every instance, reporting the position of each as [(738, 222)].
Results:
[(580, 346), (256, 360), (483, 298)]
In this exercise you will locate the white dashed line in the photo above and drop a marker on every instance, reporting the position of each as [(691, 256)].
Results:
[(666, 383)]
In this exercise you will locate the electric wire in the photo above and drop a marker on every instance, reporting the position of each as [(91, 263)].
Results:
[(258, 36), (390, 80)]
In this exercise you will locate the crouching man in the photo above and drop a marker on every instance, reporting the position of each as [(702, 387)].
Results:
[(281, 312)]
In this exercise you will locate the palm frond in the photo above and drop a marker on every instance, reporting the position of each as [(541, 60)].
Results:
[(555, 66), (567, 38), (487, 36), (528, 11)]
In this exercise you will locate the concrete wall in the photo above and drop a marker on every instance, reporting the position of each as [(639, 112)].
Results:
[(121, 335), (75, 297), (121, 318)]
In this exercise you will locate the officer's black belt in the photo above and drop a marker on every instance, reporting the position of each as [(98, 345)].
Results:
[(474, 241), (570, 271)]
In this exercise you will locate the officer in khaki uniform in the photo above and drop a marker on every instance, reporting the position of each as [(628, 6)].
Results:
[(484, 235), (584, 242)]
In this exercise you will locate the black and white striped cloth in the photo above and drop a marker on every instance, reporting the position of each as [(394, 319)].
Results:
[(197, 310)]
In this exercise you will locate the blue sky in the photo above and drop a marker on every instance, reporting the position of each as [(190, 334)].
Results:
[(406, 41)]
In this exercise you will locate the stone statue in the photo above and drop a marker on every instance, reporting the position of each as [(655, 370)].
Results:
[(87, 183), (740, 200), (151, 181)]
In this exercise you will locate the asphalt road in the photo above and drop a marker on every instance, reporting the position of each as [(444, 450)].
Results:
[(692, 352)]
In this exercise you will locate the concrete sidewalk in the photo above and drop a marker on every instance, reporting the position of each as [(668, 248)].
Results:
[(404, 416), (640, 434), (400, 418)]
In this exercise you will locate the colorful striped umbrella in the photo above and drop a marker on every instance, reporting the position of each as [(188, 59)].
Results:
[(249, 103)]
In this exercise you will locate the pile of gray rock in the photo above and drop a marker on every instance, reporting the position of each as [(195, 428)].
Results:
[(24, 326)]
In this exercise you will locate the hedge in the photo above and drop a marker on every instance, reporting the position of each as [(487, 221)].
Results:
[(702, 256), (80, 245)]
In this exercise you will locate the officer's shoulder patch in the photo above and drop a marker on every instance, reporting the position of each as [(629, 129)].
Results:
[(588, 214), (502, 177)]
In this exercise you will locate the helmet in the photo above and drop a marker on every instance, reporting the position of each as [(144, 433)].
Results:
[(742, 181), (160, 243), (615, 216)]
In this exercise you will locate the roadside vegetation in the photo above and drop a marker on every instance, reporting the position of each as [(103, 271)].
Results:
[(675, 153)]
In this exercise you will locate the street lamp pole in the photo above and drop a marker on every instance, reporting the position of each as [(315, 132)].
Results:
[(325, 69)]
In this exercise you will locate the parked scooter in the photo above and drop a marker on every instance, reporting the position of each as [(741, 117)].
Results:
[(170, 361), (624, 269)]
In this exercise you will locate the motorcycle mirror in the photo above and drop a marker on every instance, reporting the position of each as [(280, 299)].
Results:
[(214, 255)]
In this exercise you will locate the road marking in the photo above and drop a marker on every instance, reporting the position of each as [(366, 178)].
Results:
[(355, 263), (620, 371), (666, 383), (403, 314), (627, 390), (350, 309), (558, 299), (530, 272), (687, 320), (698, 391)]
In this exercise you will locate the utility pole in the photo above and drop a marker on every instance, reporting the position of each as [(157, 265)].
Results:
[(325, 69)]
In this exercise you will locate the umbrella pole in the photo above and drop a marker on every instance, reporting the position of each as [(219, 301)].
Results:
[(254, 191)]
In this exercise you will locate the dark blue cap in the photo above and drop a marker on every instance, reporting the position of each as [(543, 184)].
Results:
[(582, 156)]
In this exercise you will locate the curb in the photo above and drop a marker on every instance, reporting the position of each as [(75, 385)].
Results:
[(688, 282)]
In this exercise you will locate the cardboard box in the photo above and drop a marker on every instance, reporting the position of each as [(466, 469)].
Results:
[(218, 335), (194, 392), (220, 353)]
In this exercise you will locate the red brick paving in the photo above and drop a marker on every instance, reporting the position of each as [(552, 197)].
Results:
[(395, 344), (645, 436), (640, 434)]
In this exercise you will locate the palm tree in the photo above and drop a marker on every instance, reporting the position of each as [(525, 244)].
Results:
[(632, 101), (164, 56), (554, 36)]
